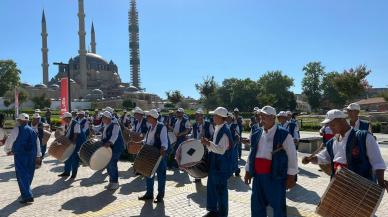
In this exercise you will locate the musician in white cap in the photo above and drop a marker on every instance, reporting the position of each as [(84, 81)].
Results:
[(353, 111), (273, 164), (354, 149), (157, 137), (239, 121), (140, 123), (202, 128), (221, 165), (84, 122), (23, 143), (282, 119), (293, 128), (37, 126), (112, 138), (74, 133)]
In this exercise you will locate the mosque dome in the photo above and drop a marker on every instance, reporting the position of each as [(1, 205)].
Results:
[(92, 59), (97, 91), (132, 89), (40, 86)]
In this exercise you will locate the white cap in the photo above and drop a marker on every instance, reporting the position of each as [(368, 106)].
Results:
[(124, 110), (107, 114), (109, 109), (158, 110), (353, 106), (288, 112), (333, 114), (256, 108), (81, 113), (282, 114), (199, 111), (138, 111), (23, 117), (230, 114), (220, 111), (36, 115), (268, 110), (153, 113), (67, 115), (181, 110), (236, 110), (37, 111)]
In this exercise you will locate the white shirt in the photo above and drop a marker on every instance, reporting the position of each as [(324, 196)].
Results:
[(178, 125), (200, 129), (12, 138), (150, 138), (115, 132), (86, 126), (339, 151), (222, 145), (77, 129), (357, 126), (265, 148)]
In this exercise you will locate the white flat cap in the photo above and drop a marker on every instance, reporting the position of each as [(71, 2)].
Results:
[(107, 114), (138, 110), (288, 112), (268, 110), (109, 109), (36, 115), (236, 110), (153, 113), (199, 111), (37, 111), (23, 117), (333, 114), (220, 111), (81, 113), (282, 114), (67, 115), (353, 106), (180, 110)]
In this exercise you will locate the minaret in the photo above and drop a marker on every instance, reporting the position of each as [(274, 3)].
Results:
[(134, 45), (93, 40), (82, 47), (45, 64)]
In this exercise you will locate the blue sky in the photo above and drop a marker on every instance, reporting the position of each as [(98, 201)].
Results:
[(183, 41)]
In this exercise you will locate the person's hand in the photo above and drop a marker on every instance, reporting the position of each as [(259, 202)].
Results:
[(162, 151), (305, 160), (107, 145), (290, 182), (205, 141), (9, 153), (247, 178)]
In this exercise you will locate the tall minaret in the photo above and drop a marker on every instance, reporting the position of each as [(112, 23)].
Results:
[(45, 64), (134, 45), (93, 40), (82, 47)]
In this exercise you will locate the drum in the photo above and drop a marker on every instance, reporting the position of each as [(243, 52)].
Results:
[(126, 134), (134, 145), (46, 137), (59, 131), (147, 161), (94, 155), (61, 148), (172, 138), (349, 194), (192, 157), (326, 168)]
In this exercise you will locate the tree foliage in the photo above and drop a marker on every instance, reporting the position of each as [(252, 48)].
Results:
[(174, 96), (312, 83), (9, 76), (41, 102), (207, 89)]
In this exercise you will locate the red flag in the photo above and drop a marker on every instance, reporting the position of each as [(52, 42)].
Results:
[(16, 102), (64, 95)]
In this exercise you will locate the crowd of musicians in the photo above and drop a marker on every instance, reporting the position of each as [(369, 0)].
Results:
[(272, 163)]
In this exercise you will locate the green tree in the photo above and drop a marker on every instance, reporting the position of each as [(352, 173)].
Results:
[(240, 93), (174, 96), (128, 104), (312, 83), (41, 102), (207, 89), (274, 89), (9, 76)]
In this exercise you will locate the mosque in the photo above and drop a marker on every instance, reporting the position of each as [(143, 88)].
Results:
[(94, 78)]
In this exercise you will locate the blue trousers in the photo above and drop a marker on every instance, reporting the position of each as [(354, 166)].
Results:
[(72, 164), (236, 168), (161, 175), (239, 146), (268, 191), (43, 149), (112, 169), (217, 193), (24, 168)]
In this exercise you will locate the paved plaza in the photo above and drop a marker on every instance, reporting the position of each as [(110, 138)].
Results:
[(86, 196)]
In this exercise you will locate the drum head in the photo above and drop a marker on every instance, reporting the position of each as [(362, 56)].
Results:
[(100, 158), (68, 151), (192, 151), (51, 139)]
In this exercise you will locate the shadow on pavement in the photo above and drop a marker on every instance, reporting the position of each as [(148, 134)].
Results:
[(236, 183), (11, 208), (303, 172), (181, 178), (302, 195), (148, 210), (96, 178), (80, 205), (51, 189), (6, 176), (198, 197), (136, 185)]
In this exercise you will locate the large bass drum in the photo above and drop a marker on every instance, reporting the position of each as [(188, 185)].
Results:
[(61, 148), (94, 154), (147, 161), (192, 157)]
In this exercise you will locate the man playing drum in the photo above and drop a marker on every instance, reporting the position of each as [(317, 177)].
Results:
[(73, 132), (84, 123), (37, 126), (235, 131), (181, 129), (140, 123), (112, 138), (221, 165), (354, 149), (273, 164), (353, 110), (156, 136), (23, 143), (202, 128)]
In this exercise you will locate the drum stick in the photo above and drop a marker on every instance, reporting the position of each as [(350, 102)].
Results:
[(316, 152)]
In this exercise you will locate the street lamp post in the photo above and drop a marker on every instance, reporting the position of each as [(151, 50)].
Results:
[(67, 68)]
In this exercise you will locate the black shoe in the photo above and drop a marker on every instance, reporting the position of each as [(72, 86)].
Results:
[(237, 174), (73, 176), (158, 200), (64, 175), (145, 197), (211, 214), (197, 180), (24, 201)]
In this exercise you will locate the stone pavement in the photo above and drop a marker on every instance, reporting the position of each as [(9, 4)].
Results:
[(86, 196)]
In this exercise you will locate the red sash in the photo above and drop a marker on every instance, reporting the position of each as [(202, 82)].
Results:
[(263, 166)]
